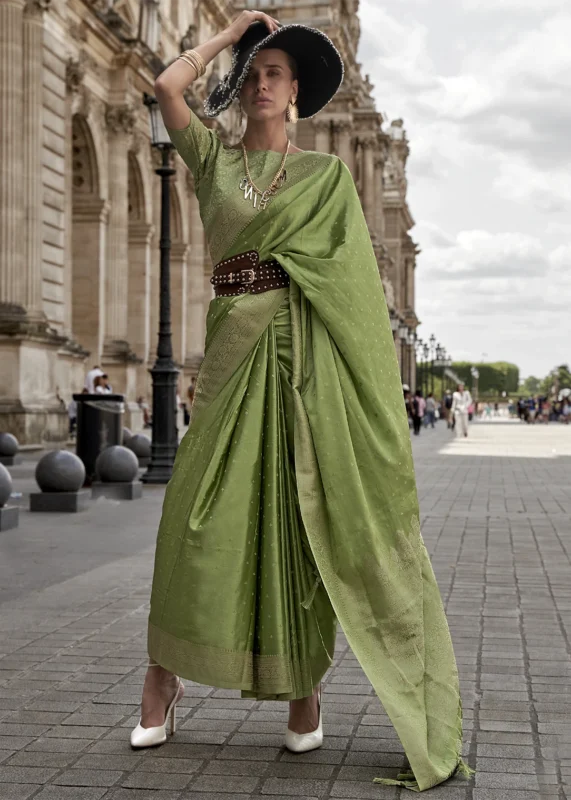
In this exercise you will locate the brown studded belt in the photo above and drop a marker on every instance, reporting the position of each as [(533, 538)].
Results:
[(246, 273)]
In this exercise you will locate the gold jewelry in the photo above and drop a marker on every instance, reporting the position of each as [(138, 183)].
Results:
[(291, 112), (250, 189), (194, 59), (190, 63)]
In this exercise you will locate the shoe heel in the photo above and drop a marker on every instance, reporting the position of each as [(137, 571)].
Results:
[(173, 720)]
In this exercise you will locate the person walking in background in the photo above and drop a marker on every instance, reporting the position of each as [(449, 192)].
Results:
[(408, 405), (72, 415), (94, 373), (418, 409), (430, 412), (447, 407), (461, 402), (101, 384)]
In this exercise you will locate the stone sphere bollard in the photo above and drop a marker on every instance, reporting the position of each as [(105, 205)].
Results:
[(5, 485), (60, 475), (117, 464), (60, 471), (8, 444), (126, 435), (141, 446), (9, 450), (8, 514), (117, 469)]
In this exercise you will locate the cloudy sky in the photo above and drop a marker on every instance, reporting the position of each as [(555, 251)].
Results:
[(484, 87)]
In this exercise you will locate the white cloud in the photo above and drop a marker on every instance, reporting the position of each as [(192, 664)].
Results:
[(484, 97), (537, 6)]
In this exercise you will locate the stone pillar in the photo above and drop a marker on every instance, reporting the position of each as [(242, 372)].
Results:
[(344, 149), (32, 134), (120, 123), (379, 164), (29, 403), (139, 297), (88, 255), (322, 135), (367, 144), (196, 292), (12, 287), (119, 361)]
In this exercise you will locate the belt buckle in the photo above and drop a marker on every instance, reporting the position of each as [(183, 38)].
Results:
[(251, 276)]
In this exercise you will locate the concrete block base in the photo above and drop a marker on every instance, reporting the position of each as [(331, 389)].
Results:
[(11, 461), (9, 516), (117, 491), (59, 501)]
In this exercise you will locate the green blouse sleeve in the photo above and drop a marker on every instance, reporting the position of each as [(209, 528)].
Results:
[(197, 145)]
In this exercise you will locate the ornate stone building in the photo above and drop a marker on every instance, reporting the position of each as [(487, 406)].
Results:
[(80, 202)]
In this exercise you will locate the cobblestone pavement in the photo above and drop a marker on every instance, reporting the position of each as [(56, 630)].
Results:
[(72, 648)]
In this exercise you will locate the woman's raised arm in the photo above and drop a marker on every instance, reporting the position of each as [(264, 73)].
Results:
[(171, 84)]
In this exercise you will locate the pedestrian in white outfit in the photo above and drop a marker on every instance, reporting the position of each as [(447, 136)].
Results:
[(461, 401)]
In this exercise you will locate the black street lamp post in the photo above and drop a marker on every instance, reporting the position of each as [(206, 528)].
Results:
[(432, 341), (425, 352), (164, 372)]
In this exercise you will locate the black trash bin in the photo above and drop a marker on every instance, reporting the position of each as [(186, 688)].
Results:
[(99, 425)]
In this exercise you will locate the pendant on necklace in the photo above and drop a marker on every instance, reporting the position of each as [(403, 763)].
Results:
[(260, 201)]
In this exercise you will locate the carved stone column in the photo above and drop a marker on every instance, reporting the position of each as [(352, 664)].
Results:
[(120, 123), (367, 145), (12, 287), (139, 314), (344, 149), (379, 163), (119, 360), (32, 135), (322, 135)]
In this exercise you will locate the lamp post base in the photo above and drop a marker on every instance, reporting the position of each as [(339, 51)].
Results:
[(165, 435)]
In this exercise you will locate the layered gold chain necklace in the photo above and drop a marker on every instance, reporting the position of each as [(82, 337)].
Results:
[(261, 197)]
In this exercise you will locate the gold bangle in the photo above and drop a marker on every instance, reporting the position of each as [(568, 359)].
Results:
[(194, 59), (193, 62), (190, 64), (199, 58)]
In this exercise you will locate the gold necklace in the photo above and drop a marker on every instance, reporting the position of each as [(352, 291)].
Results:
[(251, 191)]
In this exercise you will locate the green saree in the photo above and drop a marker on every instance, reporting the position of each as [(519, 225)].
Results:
[(293, 500)]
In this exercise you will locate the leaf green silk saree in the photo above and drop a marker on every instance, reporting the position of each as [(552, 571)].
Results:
[(293, 500)]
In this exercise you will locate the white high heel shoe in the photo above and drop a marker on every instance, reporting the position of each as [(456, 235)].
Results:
[(303, 742), (151, 737)]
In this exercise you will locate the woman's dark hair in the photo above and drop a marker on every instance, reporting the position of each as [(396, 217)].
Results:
[(419, 392)]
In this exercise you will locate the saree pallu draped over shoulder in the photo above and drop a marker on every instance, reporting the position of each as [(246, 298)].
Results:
[(293, 500)]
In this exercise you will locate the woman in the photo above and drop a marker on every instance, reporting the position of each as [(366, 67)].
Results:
[(293, 501), (430, 415), (418, 409), (461, 402)]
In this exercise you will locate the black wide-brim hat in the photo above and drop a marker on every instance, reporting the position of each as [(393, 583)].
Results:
[(320, 66)]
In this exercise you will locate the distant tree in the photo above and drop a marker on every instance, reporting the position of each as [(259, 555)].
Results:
[(530, 386), (494, 379), (559, 378)]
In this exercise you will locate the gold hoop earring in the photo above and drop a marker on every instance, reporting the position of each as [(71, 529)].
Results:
[(292, 112)]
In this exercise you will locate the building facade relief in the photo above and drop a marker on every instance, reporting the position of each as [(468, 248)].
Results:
[(80, 201)]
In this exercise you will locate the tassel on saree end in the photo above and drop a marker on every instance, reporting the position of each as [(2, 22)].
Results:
[(464, 770), (404, 779)]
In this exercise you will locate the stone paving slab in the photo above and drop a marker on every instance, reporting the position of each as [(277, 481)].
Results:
[(495, 511)]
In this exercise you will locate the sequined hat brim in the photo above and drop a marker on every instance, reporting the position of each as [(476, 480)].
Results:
[(320, 67)]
